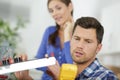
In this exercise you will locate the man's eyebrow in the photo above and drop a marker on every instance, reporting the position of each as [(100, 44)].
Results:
[(89, 39)]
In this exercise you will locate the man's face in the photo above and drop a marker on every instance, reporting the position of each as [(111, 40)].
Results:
[(84, 45)]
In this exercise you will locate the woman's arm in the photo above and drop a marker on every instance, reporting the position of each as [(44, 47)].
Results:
[(67, 52), (43, 46)]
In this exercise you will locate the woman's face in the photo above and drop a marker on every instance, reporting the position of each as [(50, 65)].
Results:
[(59, 11)]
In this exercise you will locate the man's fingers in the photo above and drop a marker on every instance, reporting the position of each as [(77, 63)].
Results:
[(22, 56), (18, 75)]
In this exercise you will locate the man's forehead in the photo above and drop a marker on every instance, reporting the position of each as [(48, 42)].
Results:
[(87, 33)]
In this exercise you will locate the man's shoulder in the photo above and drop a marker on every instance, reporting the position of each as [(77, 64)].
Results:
[(99, 72), (104, 73)]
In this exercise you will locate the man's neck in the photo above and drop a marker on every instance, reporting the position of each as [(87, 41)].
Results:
[(83, 66)]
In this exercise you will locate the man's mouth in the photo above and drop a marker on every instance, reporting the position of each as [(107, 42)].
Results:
[(78, 54)]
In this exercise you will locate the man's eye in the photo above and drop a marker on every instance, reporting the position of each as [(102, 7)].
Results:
[(89, 41)]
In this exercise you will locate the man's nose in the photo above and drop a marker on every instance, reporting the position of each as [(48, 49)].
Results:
[(80, 44)]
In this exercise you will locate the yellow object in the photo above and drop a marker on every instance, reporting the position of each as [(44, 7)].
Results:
[(68, 72)]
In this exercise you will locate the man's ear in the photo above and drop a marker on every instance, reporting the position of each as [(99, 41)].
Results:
[(98, 48)]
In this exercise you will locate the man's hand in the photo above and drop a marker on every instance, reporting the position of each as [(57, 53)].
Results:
[(54, 71), (23, 75)]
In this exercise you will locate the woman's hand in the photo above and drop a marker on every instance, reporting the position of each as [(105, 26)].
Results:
[(68, 30)]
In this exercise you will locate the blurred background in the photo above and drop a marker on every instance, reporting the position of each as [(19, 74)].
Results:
[(35, 13)]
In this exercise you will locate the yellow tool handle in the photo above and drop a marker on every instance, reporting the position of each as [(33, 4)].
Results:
[(68, 72)]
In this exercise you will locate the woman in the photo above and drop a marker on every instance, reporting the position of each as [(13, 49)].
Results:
[(56, 38)]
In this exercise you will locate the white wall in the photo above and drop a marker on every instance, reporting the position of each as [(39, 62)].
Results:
[(110, 17), (86, 8)]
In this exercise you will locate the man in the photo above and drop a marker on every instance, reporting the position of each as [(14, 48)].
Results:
[(85, 44)]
